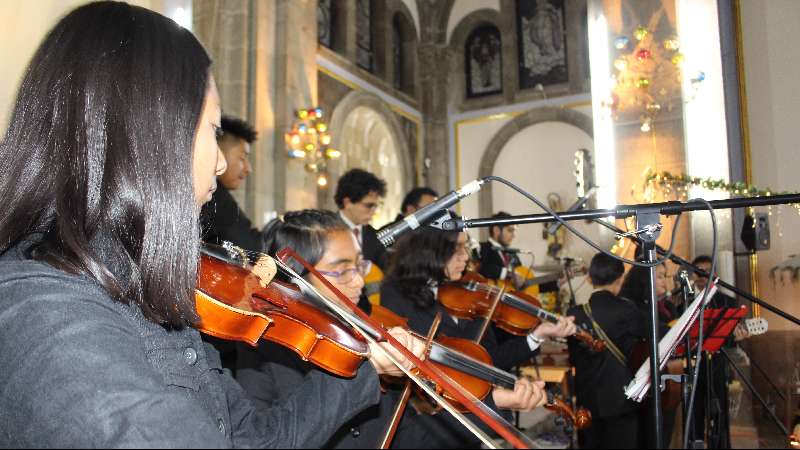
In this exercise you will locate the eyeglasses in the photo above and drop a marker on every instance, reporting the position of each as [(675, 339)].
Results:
[(347, 275)]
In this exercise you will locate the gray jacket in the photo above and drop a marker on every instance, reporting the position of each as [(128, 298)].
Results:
[(80, 370)]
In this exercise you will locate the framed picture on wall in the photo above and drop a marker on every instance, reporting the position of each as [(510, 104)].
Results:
[(484, 65), (542, 43)]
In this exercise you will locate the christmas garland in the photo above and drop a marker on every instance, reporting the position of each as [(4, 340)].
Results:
[(683, 182)]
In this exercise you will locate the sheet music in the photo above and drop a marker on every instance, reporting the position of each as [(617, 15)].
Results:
[(638, 387)]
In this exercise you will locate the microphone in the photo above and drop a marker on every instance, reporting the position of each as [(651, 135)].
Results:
[(575, 206), (683, 277), (427, 213)]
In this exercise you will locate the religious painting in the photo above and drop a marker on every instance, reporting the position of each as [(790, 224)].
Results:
[(542, 43), (484, 62), (324, 22)]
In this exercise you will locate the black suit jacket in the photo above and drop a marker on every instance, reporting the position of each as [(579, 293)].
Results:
[(223, 220), (492, 264), (600, 379), (372, 248)]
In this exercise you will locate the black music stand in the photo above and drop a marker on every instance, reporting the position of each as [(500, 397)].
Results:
[(717, 327), (720, 324)]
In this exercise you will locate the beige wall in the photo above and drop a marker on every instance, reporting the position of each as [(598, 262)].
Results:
[(24, 25), (772, 65)]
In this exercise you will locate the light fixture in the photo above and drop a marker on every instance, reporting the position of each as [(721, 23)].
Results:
[(309, 140)]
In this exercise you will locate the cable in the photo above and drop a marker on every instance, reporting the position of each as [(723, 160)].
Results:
[(701, 318), (584, 238)]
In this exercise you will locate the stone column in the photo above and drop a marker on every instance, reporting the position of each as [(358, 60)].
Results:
[(434, 78), (295, 87), (223, 27)]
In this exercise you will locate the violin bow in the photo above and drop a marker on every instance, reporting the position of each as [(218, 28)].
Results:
[(495, 303), (391, 428), (489, 417)]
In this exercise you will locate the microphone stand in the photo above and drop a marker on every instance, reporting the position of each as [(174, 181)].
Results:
[(568, 273), (687, 379), (648, 223)]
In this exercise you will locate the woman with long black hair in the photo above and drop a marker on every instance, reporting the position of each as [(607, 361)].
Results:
[(270, 372), (109, 155), (421, 261)]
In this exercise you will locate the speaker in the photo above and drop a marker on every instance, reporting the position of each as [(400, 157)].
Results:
[(755, 232)]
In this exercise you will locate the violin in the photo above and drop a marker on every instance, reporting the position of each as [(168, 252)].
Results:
[(470, 366), (242, 303), (237, 299), (516, 313)]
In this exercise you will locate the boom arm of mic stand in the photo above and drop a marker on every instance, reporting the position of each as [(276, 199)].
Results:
[(622, 211), (682, 262)]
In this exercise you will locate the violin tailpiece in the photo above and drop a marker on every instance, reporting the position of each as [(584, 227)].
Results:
[(265, 269)]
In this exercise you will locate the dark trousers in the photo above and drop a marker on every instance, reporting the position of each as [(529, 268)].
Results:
[(611, 432)]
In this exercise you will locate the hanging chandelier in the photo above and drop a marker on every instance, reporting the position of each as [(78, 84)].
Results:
[(309, 140)]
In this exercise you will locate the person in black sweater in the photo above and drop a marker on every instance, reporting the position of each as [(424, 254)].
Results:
[(600, 378), (222, 218), (421, 261), (636, 289), (270, 372), (110, 154), (358, 194)]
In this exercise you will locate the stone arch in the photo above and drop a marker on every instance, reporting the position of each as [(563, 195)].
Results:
[(519, 123), (357, 100), (458, 42)]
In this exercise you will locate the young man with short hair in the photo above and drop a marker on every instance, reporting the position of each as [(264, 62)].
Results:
[(600, 378), (222, 218), (358, 194)]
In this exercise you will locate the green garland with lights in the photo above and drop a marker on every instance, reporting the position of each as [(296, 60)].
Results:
[(683, 181)]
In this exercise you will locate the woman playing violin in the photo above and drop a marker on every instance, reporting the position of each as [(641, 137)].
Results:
[(270, 372), (421, 261), (109, 155)]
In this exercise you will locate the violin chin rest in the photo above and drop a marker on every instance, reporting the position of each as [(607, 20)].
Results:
[(265, 269)]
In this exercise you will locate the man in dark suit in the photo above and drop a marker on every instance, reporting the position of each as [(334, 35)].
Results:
[(222, 218), (412, 202), (358, 195), (496, 264), (600, 378)]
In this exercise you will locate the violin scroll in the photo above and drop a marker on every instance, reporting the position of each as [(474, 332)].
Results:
[(580, 419), (595, 345)]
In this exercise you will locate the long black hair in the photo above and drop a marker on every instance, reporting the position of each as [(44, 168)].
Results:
[(306, 232), (97, 158), (419, 259), (636, 286)]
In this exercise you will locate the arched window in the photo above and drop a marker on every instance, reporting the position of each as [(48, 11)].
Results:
[(484, 65), (404, 50), (397, 53), (325, 23), (364, 51)]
